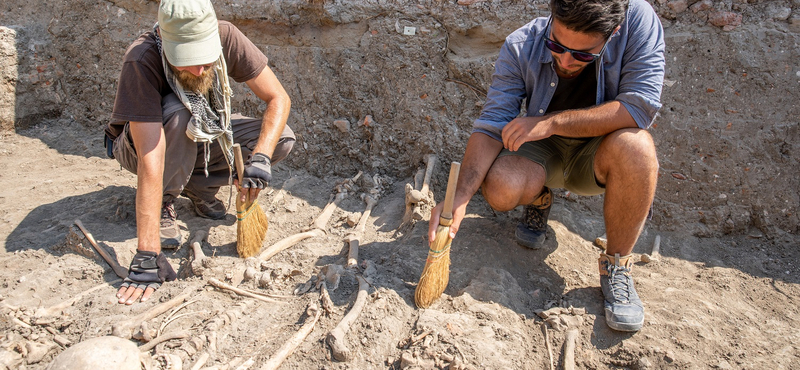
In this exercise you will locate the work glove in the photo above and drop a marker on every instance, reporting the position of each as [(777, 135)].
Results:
[(149, 270), (257, 171)]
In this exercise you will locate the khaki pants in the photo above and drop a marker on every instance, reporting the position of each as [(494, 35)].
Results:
[(184, 161)]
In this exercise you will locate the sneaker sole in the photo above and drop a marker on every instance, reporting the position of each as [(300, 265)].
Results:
[(536, 242), (170, 243), (200, 214), (623, 326)]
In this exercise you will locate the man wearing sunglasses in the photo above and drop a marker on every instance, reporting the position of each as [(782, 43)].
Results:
[(590, 76), (172, 126)]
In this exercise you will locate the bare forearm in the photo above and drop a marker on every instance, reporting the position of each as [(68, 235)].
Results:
[(148, 206), (591, 122), (267, 87), (272, 124), (150, 143), (481, 152)]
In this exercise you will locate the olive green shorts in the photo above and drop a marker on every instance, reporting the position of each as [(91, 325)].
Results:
[(568, 162)]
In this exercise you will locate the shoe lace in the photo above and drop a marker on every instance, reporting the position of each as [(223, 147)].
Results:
[(168, 214), (619, 282)]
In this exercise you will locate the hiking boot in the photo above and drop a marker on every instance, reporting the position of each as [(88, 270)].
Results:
[(213, 209), (170, 233), (624, 309), (532, 230)]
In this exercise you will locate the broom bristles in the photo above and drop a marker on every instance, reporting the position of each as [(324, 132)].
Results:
[(436, 273), (251, 229)]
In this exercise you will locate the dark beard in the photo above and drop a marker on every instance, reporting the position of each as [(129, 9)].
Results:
[(199, 84)]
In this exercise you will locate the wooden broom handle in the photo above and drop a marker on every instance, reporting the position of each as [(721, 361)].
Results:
[(238, 161), (452, 182)]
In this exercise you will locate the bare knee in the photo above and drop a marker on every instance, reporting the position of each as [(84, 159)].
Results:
[(512, 181), (629, 151)]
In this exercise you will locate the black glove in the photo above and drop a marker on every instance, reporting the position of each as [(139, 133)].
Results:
[(149, 270), (257, 171)]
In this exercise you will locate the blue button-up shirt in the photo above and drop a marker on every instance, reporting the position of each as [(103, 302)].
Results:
[(631, 71)]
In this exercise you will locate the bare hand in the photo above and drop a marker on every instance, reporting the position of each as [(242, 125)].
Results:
[(246, 194), (524, 129), (433, 224), (129, 295)]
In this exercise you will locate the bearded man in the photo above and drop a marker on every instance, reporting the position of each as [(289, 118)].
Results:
[(172, 126), (590, 75)]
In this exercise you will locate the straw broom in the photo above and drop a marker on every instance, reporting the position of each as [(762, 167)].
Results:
[(251, 221), (436, 273)]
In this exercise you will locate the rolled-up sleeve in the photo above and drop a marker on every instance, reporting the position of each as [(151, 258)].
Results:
[(505, 95), (642, 74)]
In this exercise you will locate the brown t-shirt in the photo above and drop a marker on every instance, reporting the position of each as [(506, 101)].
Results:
[(142, 82)]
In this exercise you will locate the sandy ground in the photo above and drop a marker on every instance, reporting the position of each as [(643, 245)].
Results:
[(726, 303)]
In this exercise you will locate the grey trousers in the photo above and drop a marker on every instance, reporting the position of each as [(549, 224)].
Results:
[(184, 160)]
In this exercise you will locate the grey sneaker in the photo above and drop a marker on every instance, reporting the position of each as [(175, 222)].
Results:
[(170, 233), (532, 230), (624, 309), (213, 209)]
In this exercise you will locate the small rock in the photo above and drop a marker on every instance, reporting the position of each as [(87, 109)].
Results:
[(407, 360), (726, 20), (577, 311), (368, 121), (678, 6), (778, 12), (702, 6), (342, 124), (644, 364)]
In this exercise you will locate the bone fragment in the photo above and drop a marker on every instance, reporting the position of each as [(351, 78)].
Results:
[(549, 347), (335, 338), (354, 238), (414, 196), (430, 163), (325, 299), (198, 263), (410, 341), (321, 221), (238, 291), (125, 328), (286, 350), (36, 351), (655, 254), (56, 309), (288, 242), (153, 343), (569, 349), (200, 361)]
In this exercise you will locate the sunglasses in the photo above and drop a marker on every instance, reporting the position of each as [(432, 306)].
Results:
[(580, 56)]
